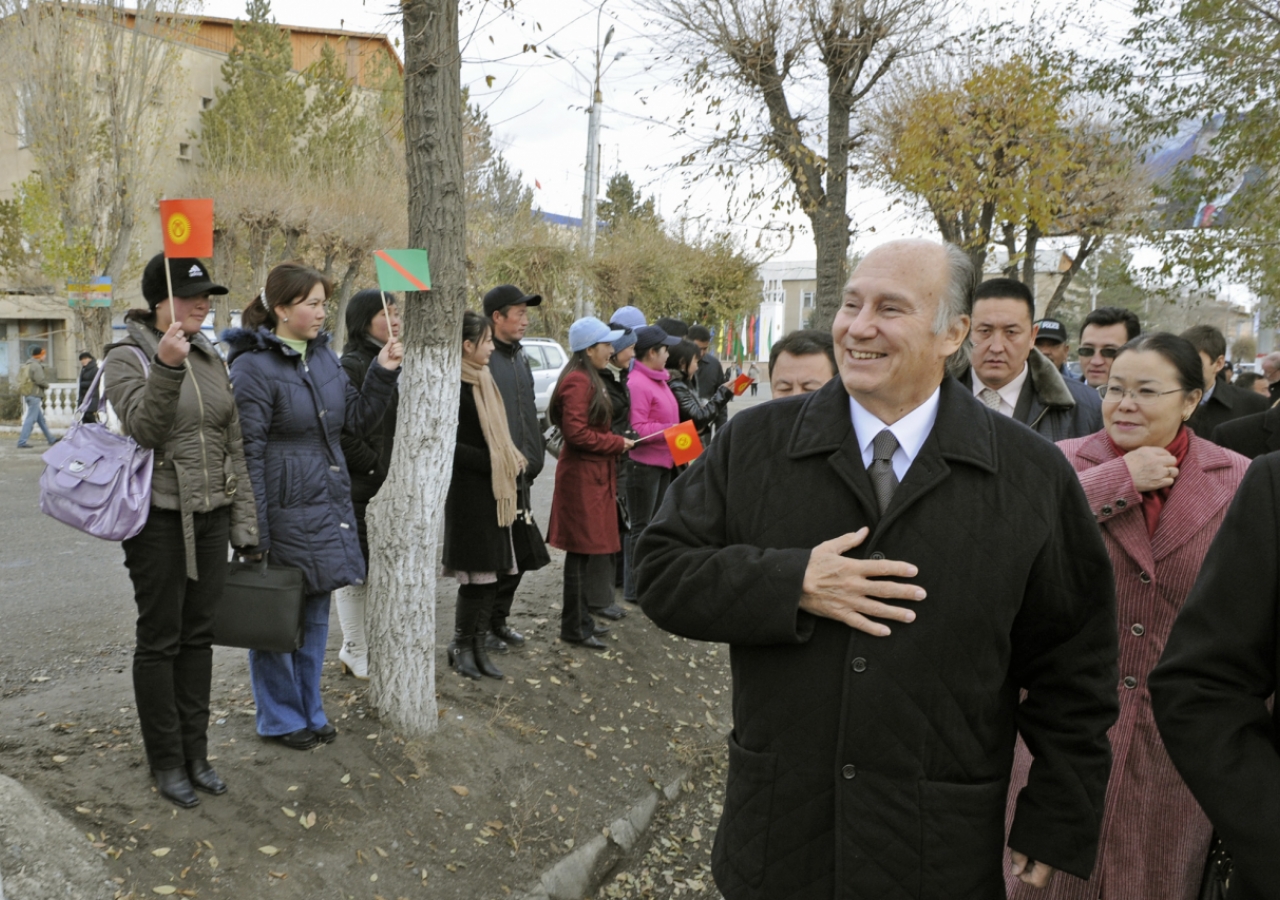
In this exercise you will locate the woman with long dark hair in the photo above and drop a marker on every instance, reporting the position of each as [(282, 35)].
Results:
[(179, 404), (584, 520), (682, 363), (295, 400), (482, 502)]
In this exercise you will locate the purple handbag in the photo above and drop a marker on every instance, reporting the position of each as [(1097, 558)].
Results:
[(95, 480)]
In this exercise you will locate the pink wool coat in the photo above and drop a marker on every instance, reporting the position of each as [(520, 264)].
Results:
[(1154, 838)]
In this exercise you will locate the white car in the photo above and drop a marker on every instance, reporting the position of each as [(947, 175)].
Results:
[(547, 358)]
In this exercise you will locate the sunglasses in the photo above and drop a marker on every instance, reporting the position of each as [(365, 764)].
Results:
[(1106, 352)]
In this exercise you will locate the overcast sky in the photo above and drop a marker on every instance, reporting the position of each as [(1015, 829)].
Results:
[(537, 102)]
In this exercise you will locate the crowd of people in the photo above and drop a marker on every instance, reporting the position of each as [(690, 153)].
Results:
[(1025, 608)]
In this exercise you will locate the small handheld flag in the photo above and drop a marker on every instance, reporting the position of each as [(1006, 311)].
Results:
[(402, 270), (188, 228), (741, 383), (683, 442)]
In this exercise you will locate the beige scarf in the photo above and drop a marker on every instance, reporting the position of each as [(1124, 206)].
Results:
[(506, 461)]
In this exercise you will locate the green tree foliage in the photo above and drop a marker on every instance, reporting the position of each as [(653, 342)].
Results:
[(622, 201), (258, 117)]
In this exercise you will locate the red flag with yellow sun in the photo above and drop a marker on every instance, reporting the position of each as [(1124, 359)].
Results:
[(188, 228), (683, 442)]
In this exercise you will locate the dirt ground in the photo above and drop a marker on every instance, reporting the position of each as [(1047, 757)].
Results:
[(519, 772)]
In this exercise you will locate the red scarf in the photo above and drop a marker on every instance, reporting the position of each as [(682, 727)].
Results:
[(1153, 501)]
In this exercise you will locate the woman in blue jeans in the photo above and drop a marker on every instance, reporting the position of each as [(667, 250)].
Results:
[(295, 400)]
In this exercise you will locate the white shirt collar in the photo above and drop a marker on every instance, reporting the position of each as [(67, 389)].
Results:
[(1008, 394), (1208, 394), (911, 431)]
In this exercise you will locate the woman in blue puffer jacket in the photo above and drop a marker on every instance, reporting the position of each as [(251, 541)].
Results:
[(294, 400)]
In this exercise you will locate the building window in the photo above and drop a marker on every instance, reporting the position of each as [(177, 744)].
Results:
[(206, 103), (773, 291), (184, 151), (806, 299), (23, 129)]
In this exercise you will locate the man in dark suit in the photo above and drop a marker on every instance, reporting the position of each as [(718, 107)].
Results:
[(1251, 436), (865, 763), (1222, 401), (1210, 692)]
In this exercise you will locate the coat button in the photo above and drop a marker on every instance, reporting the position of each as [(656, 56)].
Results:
[(877, 555), (849, 771), (1121, 503), (1106, 510), (1144, 577), (1130, 682), (344, 525), (1138, 629), (335, 469), (859, 664)]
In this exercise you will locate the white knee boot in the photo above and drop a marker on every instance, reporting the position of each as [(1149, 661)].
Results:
[(355, 652)]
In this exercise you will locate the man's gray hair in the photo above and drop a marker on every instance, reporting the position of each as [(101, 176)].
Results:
[(957, 299)]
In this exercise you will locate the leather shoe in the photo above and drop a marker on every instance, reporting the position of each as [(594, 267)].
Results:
[(302, 739), (494, 644), (204, 778), (326, 735), (174, 787), (592, 643), (597, 629), (612, 611), (505, 632)]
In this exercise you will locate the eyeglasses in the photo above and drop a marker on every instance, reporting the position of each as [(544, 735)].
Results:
[(1106, 352), (1111, 393)]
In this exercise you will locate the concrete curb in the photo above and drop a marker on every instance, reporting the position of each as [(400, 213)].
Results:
[(578, 874), (42, 856)]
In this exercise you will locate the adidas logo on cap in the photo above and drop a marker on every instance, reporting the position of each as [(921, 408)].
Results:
[(195, 272)]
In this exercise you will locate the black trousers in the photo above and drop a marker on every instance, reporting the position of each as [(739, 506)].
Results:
[(646, 486), (588, 584), (173, 660), (504, 598)]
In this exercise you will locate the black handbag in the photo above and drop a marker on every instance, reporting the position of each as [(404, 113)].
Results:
[(1217, 872), (261, 608)]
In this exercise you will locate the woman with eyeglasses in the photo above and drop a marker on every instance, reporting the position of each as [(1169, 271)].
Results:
[(1158, 493)]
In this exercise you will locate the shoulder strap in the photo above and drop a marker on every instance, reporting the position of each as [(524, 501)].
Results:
[(101, 385)]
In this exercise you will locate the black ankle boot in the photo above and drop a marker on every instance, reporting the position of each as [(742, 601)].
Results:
[(204, 778), (463, 658), (175, 787), (483, 663)]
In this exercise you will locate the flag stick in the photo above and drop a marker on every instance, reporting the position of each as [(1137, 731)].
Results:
[(173, 301), (386, 312)]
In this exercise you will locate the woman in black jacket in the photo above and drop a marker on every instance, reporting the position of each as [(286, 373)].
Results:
[(682, 362), (482, 502), (615, 385), (368, 456)]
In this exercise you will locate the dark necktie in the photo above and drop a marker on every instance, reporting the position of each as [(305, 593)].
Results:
[(883, 479)]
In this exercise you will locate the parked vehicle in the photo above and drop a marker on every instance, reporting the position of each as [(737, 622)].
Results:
[(546, 358)]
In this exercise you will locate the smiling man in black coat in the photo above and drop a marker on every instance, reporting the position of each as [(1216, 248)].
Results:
[(869, 761)]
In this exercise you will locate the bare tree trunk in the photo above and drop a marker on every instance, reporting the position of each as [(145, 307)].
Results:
[(1029, 247), (259, 244), (1088, 244), (405, 518), (831, 220), (291, 238), (95, 328), (224, 267)]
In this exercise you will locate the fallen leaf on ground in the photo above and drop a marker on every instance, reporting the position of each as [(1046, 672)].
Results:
[(61, 759), (308, 820), (345, 779), (269, 850), (380, 852), (288, 812), (164, 889), (161, 851), (460, 790), (83, 810)]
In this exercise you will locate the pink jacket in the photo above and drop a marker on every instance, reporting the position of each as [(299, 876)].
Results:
[(1154, 837), (653, 409)]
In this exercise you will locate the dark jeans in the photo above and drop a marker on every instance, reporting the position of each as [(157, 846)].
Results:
[(588, 584), (173, 661), (646, 486)]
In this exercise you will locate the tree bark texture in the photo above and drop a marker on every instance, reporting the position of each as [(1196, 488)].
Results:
[(406, 518)]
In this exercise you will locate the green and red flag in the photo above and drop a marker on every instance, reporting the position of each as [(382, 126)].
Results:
[(683, 442), (188, 228), (402, 270)]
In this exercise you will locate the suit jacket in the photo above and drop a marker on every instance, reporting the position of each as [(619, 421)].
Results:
[(1155, 838), (878, 767), (1227, 403), (1052, 405), (1211, 688), (1251, 435)]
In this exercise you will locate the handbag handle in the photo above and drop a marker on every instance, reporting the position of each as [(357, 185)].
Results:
[(78, 415)]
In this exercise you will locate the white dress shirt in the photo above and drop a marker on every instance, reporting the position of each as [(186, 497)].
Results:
[(911, 431), (1008, 394)]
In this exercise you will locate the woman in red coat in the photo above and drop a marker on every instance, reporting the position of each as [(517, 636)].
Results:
[(584, 518), (1158, 493)]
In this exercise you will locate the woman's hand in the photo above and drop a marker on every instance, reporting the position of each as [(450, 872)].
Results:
[(627, 444), (174, 347), (391, 355), (1151, 468)]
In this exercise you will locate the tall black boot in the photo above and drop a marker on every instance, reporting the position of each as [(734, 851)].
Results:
[(485, 604), (462, 650)]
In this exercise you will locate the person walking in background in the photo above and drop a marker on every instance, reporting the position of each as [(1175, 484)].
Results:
[(179, 405), (295, 400), (709, 376), (653, 409), (753, 372), (1212, 691), (801, 363), (33, 381), (615, 377), (682, 363), (584, 520), (1104, 331), (88, 369), (1222, 402), (1159, 495), (368, 456), (482, 502), (507, 309)]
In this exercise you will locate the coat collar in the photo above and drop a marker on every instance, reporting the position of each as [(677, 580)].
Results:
[(963, 433), (1044, 382)]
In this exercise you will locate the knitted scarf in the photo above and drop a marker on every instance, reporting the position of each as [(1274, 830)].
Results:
[(505, 460)]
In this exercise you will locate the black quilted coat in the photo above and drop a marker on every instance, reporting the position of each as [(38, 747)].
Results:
[(867, 768)]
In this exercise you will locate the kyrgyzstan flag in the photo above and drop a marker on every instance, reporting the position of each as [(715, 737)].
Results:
[(684, 443), (188, 228), (741, 383)]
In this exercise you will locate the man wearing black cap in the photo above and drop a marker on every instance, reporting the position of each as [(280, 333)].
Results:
[(1051, 340), (507, 307)]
